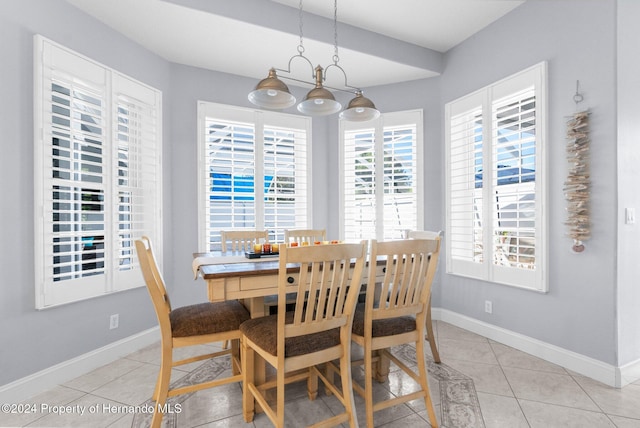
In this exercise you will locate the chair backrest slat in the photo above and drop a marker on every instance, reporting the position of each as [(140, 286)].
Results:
[(305, 235), (422, 234), (242, 240), (327, 286), (406, 284)]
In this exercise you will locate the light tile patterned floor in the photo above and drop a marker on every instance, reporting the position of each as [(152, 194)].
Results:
[(514, 389)]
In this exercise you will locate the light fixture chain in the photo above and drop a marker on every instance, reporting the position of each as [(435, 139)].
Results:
[(336, 58), (301, 45)]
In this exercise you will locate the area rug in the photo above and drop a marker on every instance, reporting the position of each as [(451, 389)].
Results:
[(459, 401)]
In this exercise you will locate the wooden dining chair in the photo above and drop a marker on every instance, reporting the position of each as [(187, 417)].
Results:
[(428, 234), (242, 240), (305, 235), (196, 324), (316, 331), (394, 313)]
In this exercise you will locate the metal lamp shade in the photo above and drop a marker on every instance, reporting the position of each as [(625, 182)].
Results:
[(319, 102), (272, 93), (360, 109)]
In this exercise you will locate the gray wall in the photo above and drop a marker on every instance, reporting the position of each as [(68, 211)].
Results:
[(628, 322), (579, 313), (578, 41), (34, 340)]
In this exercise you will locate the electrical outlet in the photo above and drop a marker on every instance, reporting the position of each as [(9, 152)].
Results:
[(488, 306), (114, 320)]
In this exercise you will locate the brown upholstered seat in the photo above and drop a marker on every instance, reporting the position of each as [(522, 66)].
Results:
[(382, 327), (207, 318), (197, 324), (263, 332)]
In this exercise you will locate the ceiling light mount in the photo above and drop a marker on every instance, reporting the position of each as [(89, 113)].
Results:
[(273, 93)]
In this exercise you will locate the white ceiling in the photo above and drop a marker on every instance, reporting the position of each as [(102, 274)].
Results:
[(184, 32)]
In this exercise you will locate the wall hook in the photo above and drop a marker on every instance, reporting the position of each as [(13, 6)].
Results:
[(578, 98)]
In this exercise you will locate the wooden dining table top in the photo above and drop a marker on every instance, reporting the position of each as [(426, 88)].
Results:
[(268, 265)]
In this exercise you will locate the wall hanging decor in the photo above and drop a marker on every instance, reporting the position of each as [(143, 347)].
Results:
[(577, 188)]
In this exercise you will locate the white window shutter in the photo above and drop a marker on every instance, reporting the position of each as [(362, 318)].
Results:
[(137, 176), (80, 242), (381, 179), (254, 172), (495, 182)]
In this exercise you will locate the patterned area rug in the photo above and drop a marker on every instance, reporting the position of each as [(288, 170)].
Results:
[(209, 370), (458, 398)]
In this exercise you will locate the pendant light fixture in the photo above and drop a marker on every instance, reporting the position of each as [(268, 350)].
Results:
[(273, 93)]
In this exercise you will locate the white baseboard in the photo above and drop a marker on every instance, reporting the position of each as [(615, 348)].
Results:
[(629, 373), (608, 374), (27, 387)]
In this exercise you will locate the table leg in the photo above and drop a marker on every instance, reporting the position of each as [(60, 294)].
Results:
[(382, 368), (255, 306)]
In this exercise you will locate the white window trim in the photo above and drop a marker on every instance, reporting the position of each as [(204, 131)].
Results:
[(259, 118), (413, 117), (538, 279), (113, 280)]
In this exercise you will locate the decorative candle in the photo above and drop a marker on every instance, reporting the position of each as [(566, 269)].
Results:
[(257, 248), (275, 247)]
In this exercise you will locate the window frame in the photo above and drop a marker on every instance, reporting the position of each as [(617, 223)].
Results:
[(484, 100), (409, 118), (261, 120), (51, 62)]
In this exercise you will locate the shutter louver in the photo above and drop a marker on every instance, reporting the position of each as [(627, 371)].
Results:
[(514, 170), (400, 186), (137, 175), (230, 162), (465, 186), (360, 185), (285, 181), (77, 210)]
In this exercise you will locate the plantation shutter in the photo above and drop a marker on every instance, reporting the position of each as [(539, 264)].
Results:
[(253, 172), (381, 176), (495, 182), (514, 197), (465, 190), (74, 156), (400, 196), (97, 175), (359, 169), (230, 163), (286, 186), (136, 173)]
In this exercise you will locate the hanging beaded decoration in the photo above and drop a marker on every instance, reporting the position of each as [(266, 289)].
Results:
[(577, 187)]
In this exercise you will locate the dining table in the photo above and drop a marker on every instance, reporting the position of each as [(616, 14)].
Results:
[(234, 276)]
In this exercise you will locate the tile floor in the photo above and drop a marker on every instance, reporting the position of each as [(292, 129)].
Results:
[(514, 390)]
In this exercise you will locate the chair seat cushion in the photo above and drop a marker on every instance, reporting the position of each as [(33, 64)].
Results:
[(384, 327), (207, 318), (263, 332)]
